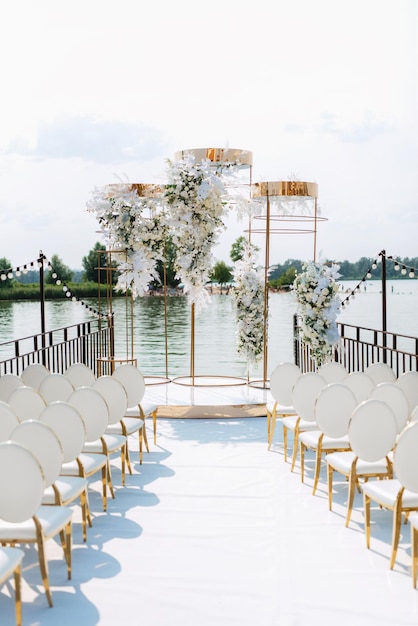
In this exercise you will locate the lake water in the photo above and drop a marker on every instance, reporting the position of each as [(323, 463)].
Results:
[(215, 339)]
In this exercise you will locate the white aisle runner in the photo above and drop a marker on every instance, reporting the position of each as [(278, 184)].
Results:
[(214, 530)]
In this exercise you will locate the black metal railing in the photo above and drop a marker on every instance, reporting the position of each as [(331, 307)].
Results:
[(58, 349), (360, 347)]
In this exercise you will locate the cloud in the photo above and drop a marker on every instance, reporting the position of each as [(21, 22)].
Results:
[(93, 140), (364, 129)]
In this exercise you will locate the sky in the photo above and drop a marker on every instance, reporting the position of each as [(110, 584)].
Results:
[(97, 92)]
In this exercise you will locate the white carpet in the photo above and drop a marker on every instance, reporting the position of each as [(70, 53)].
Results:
[(214, 530)]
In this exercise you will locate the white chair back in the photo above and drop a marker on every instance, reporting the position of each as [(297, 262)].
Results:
[(27, 403), (21, 482), (56, 387), (372, 430), (34, 374), (333, 372), (408, 382), (133, 381), (69, 427), (8, 421), (282, 381), (80, 375), (305, 392), (380, 372), (406, 457), (393, 395), (44, 444), (115, 395), (93, 409), (8, 383), (333, 409), (360, 384)]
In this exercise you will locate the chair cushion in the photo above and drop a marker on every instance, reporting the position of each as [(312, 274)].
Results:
[(69, 487), (311, 438), (385, 492), (52, 519), (342, 462), (132, 425)]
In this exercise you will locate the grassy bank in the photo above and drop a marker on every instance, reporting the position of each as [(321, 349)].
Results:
[(52, 292)]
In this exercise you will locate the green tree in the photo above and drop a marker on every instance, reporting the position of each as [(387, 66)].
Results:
[(170, 257), (285, 280), (58, 271), (5, 265), (94, 261), (238, 247), (221, 273)]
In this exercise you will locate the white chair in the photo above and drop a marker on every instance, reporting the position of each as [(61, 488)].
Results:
[(34, 374), (333, 409), (380, 372), (392, 394), (27, 403), (333, 372), (133, 381), (56, 387), (360, 384), (304, 394), (282, 381), (80, 375), (11, 565), (8, 383), (117, 402), (93, 409), (408, 382), (22, 518), (400, 494), (44, 443), (69, 427), (372, 434)]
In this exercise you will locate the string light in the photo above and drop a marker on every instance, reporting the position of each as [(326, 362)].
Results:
[(397, 266), (6, 274)]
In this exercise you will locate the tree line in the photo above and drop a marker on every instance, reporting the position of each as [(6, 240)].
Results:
[(96, 271)]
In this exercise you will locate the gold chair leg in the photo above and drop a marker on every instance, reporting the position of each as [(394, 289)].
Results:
[(285, 443), (295, 446), (104, 487), (366, 501), (154, 423), (351, 490), (109, 479), (302, 461), (140, 437), (44, 568), (396, 531), (318, 460), (330, 472), (128, 459), (145, 437), (414, 546), (18, 595)]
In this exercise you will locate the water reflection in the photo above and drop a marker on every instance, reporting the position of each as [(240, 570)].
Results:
[(215, 328)]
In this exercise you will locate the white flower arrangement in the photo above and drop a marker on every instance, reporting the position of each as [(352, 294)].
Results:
[(316, 290), (135, 225), (249, 307), (197, 198)]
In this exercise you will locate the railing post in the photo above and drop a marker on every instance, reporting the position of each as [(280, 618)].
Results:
[(42, 300), (384, 311)]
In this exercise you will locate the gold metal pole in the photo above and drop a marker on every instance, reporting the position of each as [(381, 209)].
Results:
[(266, 291), (165, 313), (192, 329)]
